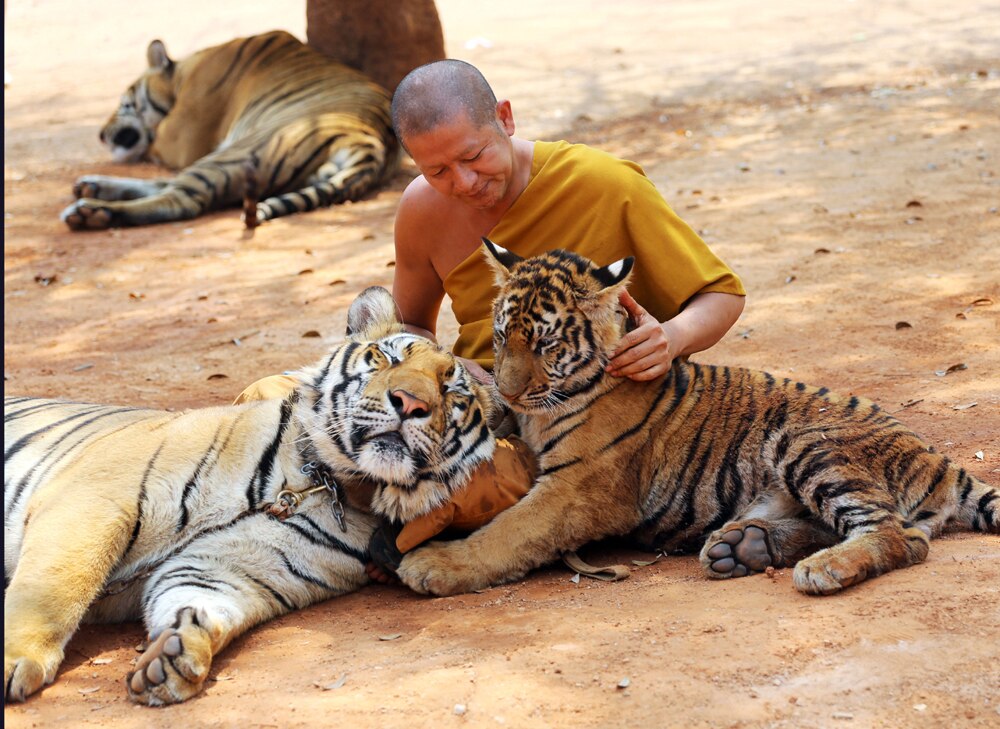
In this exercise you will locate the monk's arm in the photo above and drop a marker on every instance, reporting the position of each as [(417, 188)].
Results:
[(647, 351)]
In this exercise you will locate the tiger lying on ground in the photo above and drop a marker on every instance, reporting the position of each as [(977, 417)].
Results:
[(311, 131), (768, 470), (115, 513)]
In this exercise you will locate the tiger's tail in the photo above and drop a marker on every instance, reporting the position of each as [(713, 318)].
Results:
[(979, 505), (351, 171), (251, 192)]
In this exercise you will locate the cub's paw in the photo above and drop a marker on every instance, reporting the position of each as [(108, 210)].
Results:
[(736, 551), (825, 573), (173, 668), (23, 676), (87, 214), (442, 569)]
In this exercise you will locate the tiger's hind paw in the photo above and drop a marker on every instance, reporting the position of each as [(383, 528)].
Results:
[(87, 214), (736, 551), (173, 668)]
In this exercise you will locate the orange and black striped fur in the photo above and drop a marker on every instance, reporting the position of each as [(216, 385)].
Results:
[(175, 518), (312, 131), (753, 470)]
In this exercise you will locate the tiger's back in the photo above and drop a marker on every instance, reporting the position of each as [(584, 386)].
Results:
[(263, 116)]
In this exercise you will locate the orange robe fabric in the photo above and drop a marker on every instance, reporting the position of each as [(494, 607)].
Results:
[(587, 201)]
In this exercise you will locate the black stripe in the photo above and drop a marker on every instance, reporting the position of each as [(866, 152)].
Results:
[(234, 63), (141, 501), (192, 482), (274, 593), (328, 539), (17, 414), (26, 439), (311, 579), (258, 482)]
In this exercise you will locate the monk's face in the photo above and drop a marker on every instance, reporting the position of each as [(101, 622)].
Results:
[(471, 164)]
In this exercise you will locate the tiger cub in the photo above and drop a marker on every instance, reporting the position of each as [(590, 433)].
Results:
[(204, 523), (757, 471), (264, 115)]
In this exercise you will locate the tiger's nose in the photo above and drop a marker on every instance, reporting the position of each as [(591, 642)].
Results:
[(408, 405), (126, 137)]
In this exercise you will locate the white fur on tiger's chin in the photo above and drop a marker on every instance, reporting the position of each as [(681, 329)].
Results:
[(405, 505), (386, 463)]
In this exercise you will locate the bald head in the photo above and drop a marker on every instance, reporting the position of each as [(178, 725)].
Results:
[(436, 93)]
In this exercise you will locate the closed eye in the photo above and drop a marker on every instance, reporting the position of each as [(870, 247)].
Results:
[(476, 156)]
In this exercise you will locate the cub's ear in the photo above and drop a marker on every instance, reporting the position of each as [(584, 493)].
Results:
[(613, 273), (157, 56), (501, 260), (373, 315)]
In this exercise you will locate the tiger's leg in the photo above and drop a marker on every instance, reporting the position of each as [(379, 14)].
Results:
[(771, 532), (874, 536), (212, 182), (70, 547), (555, 517), (104, 187), (356, 163), (226, 583)]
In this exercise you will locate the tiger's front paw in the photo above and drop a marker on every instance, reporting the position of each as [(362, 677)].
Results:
[(174, 666), (23, 675), (88, 187), (87, 214), (442, 569)]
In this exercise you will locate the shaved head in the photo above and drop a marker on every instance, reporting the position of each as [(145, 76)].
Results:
[(435, 93)]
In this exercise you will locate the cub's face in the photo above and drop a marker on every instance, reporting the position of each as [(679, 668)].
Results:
[(131, 130), (398, 410), (556, 317)]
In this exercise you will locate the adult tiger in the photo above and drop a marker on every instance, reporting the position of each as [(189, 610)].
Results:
[(767, 469), (309, 131), (182, 518)]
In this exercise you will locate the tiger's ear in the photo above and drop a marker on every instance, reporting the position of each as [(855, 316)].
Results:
[(614, 273), (373, 315), (610, 280), (500, 260), (157, 56)]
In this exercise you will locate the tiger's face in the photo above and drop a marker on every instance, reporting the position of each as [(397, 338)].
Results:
[(556, 318), (398, 410), (131, 130)]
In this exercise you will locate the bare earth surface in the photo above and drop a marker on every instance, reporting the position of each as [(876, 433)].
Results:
[(843, 157)]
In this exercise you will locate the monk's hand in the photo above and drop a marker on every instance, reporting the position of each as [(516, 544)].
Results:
[(645, 352)]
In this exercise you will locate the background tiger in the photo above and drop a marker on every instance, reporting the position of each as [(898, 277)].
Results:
[(311, 131), (116, 513), (767, 469)]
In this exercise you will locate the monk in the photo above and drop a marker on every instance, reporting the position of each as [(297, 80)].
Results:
[(478, 179)]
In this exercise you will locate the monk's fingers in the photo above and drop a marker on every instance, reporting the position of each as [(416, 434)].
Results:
[(632, 307)]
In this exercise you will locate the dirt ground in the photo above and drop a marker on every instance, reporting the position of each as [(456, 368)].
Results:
[(843, 158)]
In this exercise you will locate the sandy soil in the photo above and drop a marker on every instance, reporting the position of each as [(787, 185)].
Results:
[(843, 160)]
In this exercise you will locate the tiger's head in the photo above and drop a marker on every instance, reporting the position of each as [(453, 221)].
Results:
[(556, 318), (396, 409), (131, 130)]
